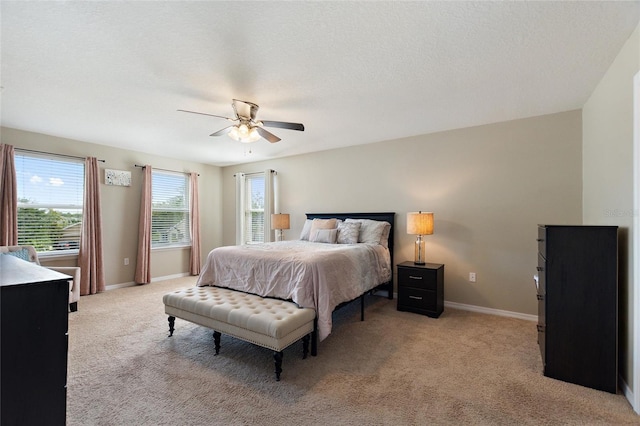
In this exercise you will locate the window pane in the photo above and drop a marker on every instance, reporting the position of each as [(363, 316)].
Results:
[(170, 209), (50, 197), (254, 215)]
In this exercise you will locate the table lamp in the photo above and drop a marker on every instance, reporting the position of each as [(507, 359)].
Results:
[(280, 221), (420, 223)]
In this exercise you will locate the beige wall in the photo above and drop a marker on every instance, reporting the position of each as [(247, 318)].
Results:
[(488, 186), (121, 205), (608, 175)]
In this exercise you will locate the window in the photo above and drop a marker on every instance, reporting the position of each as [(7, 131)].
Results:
[(254, 208), (169, 209), (50, 198), (255, 201)]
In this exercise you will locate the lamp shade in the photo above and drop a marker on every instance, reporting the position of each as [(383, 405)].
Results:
[(280, 221), (420, 223)]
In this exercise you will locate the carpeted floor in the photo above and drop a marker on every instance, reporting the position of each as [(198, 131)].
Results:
[(394, 368)]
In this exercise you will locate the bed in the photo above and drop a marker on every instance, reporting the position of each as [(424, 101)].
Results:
[(315, 273)]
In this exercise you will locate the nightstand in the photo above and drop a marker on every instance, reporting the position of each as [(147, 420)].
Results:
[(421, 288)]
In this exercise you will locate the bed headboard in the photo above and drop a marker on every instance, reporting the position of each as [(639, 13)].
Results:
[(388, 217)]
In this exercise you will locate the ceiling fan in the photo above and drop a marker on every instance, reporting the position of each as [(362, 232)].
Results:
[(247, 129)]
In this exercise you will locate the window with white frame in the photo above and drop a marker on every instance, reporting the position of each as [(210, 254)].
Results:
[(50, 199), (170, 209), (254, 208)]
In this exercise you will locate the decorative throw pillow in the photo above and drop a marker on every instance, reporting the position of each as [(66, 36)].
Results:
[(20, 254), (348, 232), (321, 224), (306, 229), (324, 236)]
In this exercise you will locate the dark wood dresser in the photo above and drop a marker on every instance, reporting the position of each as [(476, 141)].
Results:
[(34, 303), (577, 290)]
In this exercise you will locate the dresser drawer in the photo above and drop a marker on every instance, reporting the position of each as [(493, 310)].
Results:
[(416, 298), (541, 310), (542, 241), (418, 278), (542, 275)]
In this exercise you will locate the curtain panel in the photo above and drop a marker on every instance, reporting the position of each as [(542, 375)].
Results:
[(90, 258), (269, 203), (143, 263), (240, 186), (194, 223), (8, 197)]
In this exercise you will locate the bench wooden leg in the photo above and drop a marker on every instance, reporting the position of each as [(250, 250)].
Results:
[(216, 341), (314, 338), (172, 321), (305, 346), (277, 356)]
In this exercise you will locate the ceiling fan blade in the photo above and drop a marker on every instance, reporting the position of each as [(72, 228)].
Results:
[(210, 115), (267, 135), (222, 131), (283, 125)]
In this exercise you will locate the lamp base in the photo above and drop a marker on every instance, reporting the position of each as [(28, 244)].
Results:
[(419, 252)]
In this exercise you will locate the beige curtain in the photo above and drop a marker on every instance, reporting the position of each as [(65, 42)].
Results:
[(90, 259), (8, 197), (194, 222), (143, 263), (240, 186)]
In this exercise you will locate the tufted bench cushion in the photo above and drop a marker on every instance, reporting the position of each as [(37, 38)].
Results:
[(271, 323)]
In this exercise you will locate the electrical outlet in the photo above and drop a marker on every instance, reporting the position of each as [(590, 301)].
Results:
[(126, 261), (472, 277)]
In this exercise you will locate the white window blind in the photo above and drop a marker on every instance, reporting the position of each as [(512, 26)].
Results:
[(170, 209), (50, 199), (254, 208)]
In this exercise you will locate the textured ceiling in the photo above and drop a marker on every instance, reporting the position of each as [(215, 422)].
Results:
[(114, 73)]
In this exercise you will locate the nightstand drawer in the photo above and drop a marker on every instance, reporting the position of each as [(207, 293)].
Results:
[(418, 278), (416, 298)]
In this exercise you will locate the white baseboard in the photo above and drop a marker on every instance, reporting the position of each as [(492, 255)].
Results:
[(121, 285), (153, 280), (491, 311), (627, 392)]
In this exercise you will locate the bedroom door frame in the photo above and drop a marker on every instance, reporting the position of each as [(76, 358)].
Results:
[(636, 243)]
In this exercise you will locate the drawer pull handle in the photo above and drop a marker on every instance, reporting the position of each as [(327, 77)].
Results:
[(539, 268), (540, 240), (415, 297), (413, 277), (540, 296)]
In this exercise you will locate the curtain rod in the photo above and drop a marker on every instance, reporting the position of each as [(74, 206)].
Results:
[(255, 173), (164, 170), (51, 153)]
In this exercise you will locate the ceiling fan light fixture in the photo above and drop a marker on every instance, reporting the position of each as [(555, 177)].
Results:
[(242, 133)]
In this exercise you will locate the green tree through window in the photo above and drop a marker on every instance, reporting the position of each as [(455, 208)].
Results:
[(50, 198)]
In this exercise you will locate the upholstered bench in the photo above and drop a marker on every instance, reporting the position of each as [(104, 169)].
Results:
[(271, 323)]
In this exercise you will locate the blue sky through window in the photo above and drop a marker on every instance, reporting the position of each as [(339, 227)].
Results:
[(49, 181)]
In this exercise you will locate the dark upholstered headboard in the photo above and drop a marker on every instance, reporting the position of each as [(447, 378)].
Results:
[(388, 217)]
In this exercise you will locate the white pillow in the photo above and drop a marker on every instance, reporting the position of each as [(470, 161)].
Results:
[(348, 232), (373, 231), (324, 236), (306, 229)]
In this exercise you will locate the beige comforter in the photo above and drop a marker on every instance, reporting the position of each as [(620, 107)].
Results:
[(313, 275)]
